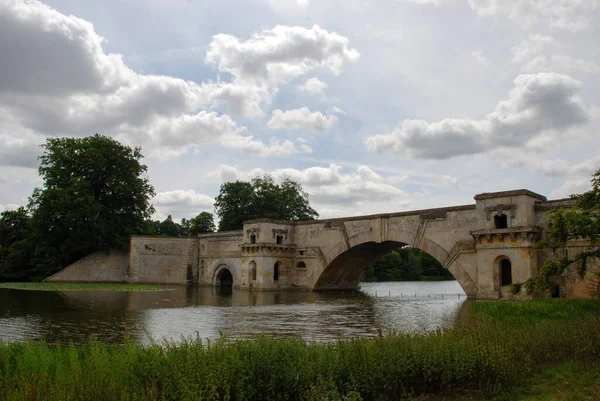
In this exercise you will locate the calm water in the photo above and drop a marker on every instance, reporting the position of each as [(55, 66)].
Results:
[(62, 317)]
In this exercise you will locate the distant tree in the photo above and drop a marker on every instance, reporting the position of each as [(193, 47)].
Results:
[(184, 227), (95, 196), (202, 223), (169, 228), (234, 205), (582, 221), (405, 264), (15, 244), (261, 198)]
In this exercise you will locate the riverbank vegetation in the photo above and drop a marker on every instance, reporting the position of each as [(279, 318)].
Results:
[(406, 264), (36, 286), (499, 355)]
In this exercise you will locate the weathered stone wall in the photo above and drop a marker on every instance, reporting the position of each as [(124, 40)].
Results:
[(101, 266), (161, 259)]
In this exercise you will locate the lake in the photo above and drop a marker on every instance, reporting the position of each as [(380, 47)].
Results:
[(61, 317)]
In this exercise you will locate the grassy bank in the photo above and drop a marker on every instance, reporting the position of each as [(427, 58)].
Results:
[(496, 357), (82, 287)]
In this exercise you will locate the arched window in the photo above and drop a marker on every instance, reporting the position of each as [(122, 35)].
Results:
[(276, 272), (253, 239), (501, 221), (301, 265), (252, 270), (505, 272), (279, 239)]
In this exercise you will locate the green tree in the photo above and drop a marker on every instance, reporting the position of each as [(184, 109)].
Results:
[(203, 223), (15, 244), (582, 221), (95, 196), (169, 228), (261, 198)]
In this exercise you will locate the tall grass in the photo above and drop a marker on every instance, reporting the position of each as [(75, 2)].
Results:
[(488, 356)]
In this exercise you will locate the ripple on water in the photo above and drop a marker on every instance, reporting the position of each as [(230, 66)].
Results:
[(204, 313)]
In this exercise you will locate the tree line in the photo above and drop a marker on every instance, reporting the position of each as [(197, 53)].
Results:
[(406, 264)]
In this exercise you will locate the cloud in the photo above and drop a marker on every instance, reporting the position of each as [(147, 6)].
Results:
[(9, 206), (542, 104), (326, 185), (449, 181), (572, 186), (313, 86), (280, 54), (268, 59), (56, 80), (540, 53), (301, 118), (571, 15), (479, 57), (181, 197), (227, 173)]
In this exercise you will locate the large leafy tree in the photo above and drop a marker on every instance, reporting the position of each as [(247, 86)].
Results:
[(202, 223), (261, 198), (582, 221), (95, 196)]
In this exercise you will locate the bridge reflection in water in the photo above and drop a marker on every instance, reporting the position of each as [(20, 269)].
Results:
[(61, 317)]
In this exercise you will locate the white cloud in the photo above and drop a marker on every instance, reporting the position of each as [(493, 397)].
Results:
[(543, 104), (571, 186), (181, 197), (9, 206), (226, 173), (449, 181), (479, 57), (313, 86), (281, 53), (326, 185), (543, 53), (301, 118), (571, 15), (335, 110), (57, 80)]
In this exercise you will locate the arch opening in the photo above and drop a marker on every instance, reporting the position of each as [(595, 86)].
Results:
[(252, 270), (505, 272), (346, 270), (276, 271)]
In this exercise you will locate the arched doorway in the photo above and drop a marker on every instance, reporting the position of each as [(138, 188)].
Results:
[(505, 272), (276, 271), (223, 280)]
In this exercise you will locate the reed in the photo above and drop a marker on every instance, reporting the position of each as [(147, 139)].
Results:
[(493, 354)]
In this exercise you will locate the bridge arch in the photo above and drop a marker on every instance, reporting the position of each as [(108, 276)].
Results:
[(347, 260), (224, 276)]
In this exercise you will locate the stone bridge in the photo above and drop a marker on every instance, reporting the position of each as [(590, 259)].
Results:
[(486, 246)]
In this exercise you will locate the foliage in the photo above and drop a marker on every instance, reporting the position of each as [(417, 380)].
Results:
[(490, 357), (50, 286), (15, 244), (95, 196), (406, 264), (261, 198), (202, 223), (582, 222), (169, 227)]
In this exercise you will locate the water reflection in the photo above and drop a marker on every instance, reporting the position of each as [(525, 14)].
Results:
[(62, 317)]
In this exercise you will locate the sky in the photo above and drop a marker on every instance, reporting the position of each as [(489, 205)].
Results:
[(373, 106)]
